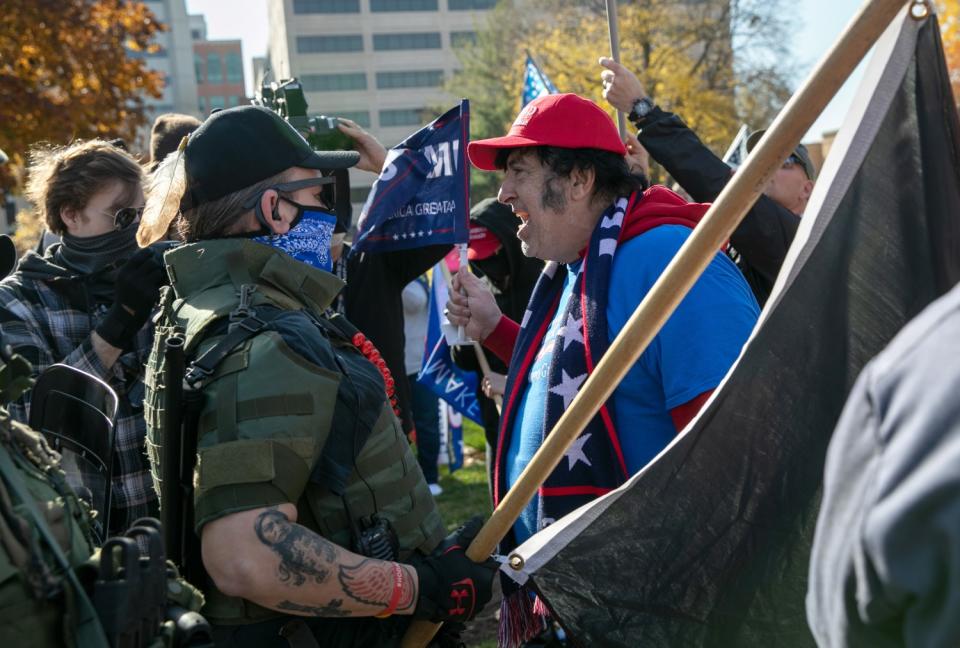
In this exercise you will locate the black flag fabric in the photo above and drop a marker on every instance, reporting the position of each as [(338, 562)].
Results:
[(709, 544)]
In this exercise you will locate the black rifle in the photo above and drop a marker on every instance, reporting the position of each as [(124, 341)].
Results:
[(171, 499), (182, 403)]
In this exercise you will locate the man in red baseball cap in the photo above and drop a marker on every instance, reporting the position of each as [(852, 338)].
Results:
[(606, 240)]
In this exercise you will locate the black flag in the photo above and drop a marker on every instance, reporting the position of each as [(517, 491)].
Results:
[(709, 544)]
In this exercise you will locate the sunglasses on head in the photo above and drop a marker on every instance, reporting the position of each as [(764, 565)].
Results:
[(325, 183), (793, 159), (126, 216)]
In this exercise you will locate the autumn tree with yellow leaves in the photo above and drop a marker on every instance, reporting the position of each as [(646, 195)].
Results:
[(68, 72), (717, 63), (948, 13)]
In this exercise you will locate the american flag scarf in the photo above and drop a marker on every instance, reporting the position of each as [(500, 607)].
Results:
[(594, 464)]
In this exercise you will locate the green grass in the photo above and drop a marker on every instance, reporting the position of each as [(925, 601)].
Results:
[(465, 492)]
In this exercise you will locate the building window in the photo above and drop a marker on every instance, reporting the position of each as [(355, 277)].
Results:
[(427, 40), (410, 79), (326, 6), (202, 105), (334, 82), (234, 67), (217, 102), (462, 38), (198, 67), (233, 101), (195, 34), (468, 5), (317, 44), (214, 71), (402, 117), (403, 5), (362, 117)]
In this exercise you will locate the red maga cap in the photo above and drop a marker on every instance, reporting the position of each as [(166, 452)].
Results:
[(483, 243), (561, 120)]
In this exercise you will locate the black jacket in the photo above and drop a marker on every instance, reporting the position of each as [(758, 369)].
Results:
[(372, 302), (764, 236)]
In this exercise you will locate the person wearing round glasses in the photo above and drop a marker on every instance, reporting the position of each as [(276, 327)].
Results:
[(86, 301)]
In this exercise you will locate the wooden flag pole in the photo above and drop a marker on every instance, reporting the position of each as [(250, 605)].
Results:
[(690, 261), (614, 32)]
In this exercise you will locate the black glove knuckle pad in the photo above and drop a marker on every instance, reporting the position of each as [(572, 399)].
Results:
[(453, 587)]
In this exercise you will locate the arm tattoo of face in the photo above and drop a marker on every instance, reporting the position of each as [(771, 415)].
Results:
[(303, 554), (331, 609), (371, 582)]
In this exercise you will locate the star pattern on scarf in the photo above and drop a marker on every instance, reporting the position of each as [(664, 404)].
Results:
[(571, 332), (575, 452), (568, 387)]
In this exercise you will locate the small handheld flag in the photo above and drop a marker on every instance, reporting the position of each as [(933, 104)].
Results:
[(737, 152), (448, 381), (535, 83), (422, 196)]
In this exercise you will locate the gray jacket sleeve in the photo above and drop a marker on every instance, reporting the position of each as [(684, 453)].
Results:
[(885, 567)]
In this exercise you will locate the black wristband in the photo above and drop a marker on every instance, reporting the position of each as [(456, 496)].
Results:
[(119, 327)]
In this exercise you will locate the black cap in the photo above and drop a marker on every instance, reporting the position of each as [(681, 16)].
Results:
[(239, 147), (801, 152)]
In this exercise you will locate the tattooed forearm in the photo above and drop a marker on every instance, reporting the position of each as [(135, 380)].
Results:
[(331, 609), (370, 581), (303, 554), (408, 599)]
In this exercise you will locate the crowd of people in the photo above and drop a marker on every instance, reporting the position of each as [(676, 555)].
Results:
[(312, 520)]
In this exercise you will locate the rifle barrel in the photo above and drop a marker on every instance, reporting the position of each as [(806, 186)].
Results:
[(171, 503)]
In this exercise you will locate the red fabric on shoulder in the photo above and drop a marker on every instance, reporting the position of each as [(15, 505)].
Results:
[(659, 206), (683, 414)]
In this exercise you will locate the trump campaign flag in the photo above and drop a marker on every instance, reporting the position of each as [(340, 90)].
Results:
[(422, 196), (438, 372), (709, 544), (451, 437), (535, 83)]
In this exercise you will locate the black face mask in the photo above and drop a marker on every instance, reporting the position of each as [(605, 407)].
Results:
[(496, 268), (90, 254)]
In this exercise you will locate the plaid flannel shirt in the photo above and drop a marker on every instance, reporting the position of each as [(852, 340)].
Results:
[(40, 324)]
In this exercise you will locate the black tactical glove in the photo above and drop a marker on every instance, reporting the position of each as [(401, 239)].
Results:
[(138, 287), (453, 587)]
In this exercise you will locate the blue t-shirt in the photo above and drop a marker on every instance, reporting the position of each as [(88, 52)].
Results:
[(690, 355)]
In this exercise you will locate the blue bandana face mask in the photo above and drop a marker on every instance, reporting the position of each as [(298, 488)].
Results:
[(308, 240)]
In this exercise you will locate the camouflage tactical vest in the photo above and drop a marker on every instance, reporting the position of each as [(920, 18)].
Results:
[(36, 600), (269, 413)]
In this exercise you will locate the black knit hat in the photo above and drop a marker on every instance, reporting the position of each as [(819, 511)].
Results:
[(239, 147)]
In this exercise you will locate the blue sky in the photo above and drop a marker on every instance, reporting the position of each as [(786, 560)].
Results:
[(819, 24)]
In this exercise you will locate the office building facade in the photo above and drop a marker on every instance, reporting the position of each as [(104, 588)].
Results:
[(381, 63), (218, 69), (174, 60)]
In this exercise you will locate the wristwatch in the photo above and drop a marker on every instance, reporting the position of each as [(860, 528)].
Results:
[(641, 108)]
